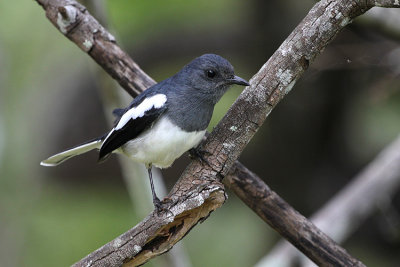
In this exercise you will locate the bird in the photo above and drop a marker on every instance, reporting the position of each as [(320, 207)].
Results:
[(166, 120)]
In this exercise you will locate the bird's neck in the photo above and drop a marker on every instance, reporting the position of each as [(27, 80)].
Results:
[(193, 114)]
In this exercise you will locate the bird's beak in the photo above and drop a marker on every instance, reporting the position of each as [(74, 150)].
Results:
[(238, 80)]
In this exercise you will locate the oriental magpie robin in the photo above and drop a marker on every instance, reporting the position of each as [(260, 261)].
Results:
[(165, 120)]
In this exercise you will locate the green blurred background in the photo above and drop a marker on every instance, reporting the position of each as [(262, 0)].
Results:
[(343, 111)]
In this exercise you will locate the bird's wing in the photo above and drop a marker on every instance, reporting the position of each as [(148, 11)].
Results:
[(118, 112), (133, 122)]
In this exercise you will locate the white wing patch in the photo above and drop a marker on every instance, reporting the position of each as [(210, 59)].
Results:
[(156, 101)]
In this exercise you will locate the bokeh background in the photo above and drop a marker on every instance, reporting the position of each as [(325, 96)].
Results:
[(343, 111)]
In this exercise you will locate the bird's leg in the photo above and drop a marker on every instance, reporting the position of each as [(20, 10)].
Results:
[(196, 152), (156, 200)]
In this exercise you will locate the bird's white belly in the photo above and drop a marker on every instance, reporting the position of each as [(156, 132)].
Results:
[(162, 144)]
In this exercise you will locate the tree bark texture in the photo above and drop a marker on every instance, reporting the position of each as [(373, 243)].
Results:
[(199, 187), (158, 232), (75, 22), (289, 223)]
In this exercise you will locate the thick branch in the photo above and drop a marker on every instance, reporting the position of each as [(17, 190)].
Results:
[(76, 23), (285, 220), (157, 233), (275, 79)]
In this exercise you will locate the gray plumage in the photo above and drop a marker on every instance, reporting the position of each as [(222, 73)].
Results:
[(167, 119), (191, 94)]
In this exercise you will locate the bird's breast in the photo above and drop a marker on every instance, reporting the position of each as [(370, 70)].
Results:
[(162, 144)]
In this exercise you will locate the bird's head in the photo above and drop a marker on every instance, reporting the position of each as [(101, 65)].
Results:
[(210, 75)]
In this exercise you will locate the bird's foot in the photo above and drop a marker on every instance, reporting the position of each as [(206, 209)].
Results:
[(199, 153), (160, 206), (157, 203)]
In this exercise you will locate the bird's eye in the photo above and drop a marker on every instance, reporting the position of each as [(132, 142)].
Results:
[(210, 73)]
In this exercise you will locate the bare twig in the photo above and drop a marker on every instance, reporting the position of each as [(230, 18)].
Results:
[(198, 191)]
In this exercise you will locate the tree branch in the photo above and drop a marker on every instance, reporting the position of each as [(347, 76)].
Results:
[(289, 223), (199, 191), (75, 22), (157, 233)]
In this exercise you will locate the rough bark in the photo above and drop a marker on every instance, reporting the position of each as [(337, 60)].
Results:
[(158, 232), (289, 223), (202, 182), (75, 22)]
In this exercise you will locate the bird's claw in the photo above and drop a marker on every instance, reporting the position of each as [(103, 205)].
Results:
[(160, 206), (157, 203)]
